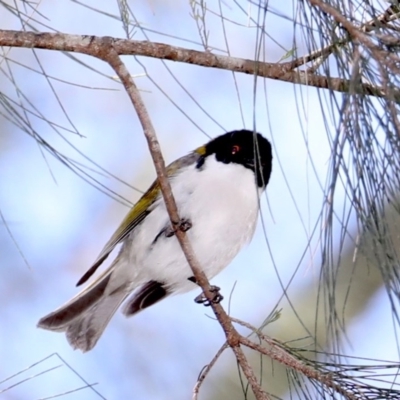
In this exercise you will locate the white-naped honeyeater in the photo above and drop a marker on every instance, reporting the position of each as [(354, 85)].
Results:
[(217, 189)]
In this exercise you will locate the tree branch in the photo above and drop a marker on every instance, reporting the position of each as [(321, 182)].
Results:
[(278, 352), (282, 356), (233, 338), (95, 46)]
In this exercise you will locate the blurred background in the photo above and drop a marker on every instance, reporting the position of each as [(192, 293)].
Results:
[(73, 159)]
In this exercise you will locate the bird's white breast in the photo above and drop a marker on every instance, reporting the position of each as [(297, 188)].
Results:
[(221, 202)]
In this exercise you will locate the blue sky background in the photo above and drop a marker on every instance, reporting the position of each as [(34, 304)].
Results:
[(61, 223)]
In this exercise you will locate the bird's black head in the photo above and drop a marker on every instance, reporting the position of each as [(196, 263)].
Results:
[(243, 147)]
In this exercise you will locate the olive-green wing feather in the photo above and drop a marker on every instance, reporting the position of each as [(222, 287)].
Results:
[(140, 210), (135, 216)]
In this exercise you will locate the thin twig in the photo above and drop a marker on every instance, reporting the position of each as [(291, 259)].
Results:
[(206, 370), (354, 31), (314, 55), (387, 16)]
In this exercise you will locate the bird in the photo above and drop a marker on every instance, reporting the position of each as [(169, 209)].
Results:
[(217, 188)]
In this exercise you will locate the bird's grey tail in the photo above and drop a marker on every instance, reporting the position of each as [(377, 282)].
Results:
[(85, 317)]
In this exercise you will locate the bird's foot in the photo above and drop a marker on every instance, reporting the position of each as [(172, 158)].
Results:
[(217, 297), (183, 225)]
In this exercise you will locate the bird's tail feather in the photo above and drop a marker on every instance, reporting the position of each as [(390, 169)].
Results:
[(85, 317)]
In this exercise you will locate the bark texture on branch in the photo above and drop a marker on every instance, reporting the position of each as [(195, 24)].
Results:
[(98, 47)]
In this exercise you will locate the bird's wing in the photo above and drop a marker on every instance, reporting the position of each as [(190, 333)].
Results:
[(135, 216), (140, 211)]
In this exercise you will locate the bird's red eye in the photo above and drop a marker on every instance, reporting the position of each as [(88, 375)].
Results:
[(235, 149)]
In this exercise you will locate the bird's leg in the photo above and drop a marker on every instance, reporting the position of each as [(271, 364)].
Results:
[(202, 299), (183, 225)]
